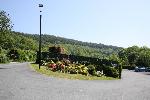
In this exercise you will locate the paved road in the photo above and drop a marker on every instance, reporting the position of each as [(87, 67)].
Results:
[(19, 82)]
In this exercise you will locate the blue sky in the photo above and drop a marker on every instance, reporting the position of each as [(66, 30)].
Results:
[(112, 22)]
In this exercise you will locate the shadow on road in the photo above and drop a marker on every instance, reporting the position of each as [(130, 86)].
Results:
[(3, 68), (145, 73)]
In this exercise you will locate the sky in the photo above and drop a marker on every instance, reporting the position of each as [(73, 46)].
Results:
[(122, 23)]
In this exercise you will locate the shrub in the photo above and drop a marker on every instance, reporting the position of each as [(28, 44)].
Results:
[(3, 58), (131, 67), (13, 55), (99, 68), (99, 73), (60, 66), (72, 69), (51, 65), (43, 63), (77, 68), (25, 55), (125, 66), (110, 71), (91, 69), (66, 62), (82, 69)]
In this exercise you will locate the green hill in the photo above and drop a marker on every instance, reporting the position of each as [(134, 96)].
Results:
[(30, 42)]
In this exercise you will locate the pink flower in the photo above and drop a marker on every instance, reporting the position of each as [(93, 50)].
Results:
[(62, 66)]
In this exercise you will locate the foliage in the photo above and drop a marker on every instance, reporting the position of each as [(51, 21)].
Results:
[(110, 71), (77, 68), (91, 69), (123, 57), (5, 22), (43, 70), (21, 55), (3, 56), (132, 54), (71, 68), (144, 59), (135, 56), (11, 40), (74, 47), (26, 55), (13, 55)]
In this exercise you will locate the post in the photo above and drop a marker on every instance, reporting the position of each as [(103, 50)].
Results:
[(120, 71), (40, 44), (40, 5)]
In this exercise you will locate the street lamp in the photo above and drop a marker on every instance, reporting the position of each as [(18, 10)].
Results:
[(40, 5)]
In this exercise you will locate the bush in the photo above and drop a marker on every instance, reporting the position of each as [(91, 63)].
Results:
[(131, 67), (66, 62), (82, 69), (71, 68), (51, 65), (58, 66), (26, 55), (91, 69), (4, 58), (43, 63), (111, 71), (125, 66), (77, 68), (99, 68), (99, 73)]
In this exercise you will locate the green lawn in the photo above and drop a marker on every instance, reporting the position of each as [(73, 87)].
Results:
[(66, 75)]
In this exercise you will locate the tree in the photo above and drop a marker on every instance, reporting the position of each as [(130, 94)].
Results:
[(5, 22), (123, 57), (144, 58), (5, 27), (132, 54)]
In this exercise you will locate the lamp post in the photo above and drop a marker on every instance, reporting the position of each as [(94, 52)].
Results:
[(40, 5)]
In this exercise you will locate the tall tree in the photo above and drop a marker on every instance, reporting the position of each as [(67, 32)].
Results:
[(144, 57), (123, 57), (132, 54), (5, 22), (5, 27)]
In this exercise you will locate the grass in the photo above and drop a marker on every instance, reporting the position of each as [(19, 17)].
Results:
[(43, 70)]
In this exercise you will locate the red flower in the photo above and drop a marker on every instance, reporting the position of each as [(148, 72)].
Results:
[(53, 65)]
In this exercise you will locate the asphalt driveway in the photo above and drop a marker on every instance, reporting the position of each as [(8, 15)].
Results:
[(19, 82)]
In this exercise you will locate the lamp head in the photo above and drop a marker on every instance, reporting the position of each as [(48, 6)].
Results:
[(40, 5)]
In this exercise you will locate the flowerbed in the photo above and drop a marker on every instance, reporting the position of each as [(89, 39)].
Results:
[(65, 66)]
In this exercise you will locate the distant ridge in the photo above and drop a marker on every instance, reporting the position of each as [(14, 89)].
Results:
[(25, 41), (56, 39)]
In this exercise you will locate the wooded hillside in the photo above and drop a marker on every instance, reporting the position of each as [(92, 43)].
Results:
[(71, 46)]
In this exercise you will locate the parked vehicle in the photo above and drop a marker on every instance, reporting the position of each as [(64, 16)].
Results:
[(140, 69), (148, 69)]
